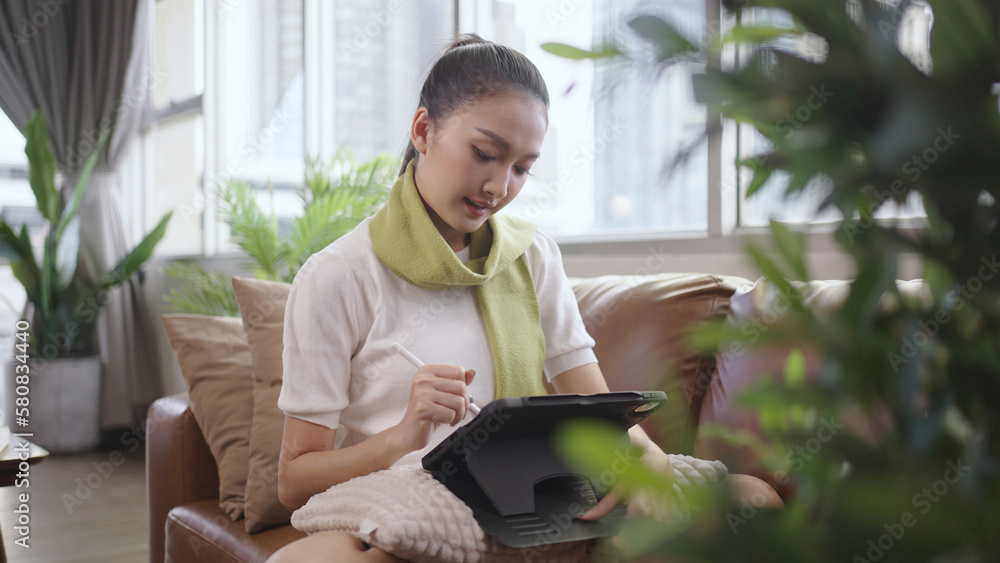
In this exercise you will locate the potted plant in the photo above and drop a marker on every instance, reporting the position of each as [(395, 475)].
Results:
[(53, 383), (895, 127), (335, 198)]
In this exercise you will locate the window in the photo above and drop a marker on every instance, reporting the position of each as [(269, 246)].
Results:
[(260, 109), (268, 102), (18, 204), (380, 56), (249, 89), (17, 208), (173, 135), (175, 149)]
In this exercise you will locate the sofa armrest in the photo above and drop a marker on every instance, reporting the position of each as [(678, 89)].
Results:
[(180, 468)]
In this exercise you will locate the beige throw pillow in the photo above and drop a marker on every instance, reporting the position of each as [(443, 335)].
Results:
[(262, 305), (215, 360)]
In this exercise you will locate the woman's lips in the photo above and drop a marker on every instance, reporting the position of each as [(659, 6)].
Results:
[(477, 209)]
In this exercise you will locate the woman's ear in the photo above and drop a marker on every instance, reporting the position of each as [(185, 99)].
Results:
[(420, 130)]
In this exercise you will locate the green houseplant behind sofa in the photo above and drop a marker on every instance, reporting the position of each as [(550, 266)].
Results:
[(57, 337)]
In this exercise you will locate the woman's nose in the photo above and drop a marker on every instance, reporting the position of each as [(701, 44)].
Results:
[(497, 185)]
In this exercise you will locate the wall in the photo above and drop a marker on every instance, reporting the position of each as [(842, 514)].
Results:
[(824, 265), (825, 259)]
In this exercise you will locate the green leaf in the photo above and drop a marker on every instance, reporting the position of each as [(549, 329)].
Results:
[(205, 293), (28, 280), (770, 270), (336, 208), (18, 250), (82, 182), (29, 264), (193, 300), (127, 267), (596, 447), (321, 223), (739, 437), (668, 41), (795, 368), (41, 167), (67, 253), (10, 246), (641, 535), (335, 198), (48, 274), (252, 230), (9, 252), (792, 247), (577, 54), (756, 35), (964, 38), (800, 179), (938, 279), (325, 220), (710, 336), (317, 181), (591, 444), (761, 174)]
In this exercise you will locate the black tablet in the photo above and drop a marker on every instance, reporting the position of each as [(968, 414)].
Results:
[(504, 466)]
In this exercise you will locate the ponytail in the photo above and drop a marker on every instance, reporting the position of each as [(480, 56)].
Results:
[(409, 154)]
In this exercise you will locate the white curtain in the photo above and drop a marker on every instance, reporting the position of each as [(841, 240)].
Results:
[(84, 64)]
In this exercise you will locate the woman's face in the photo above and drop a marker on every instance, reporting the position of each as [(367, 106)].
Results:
[(476, 161)]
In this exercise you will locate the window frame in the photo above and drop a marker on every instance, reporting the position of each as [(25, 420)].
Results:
[(152, 117)]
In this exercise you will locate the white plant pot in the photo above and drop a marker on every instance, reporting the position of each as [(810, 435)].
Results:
[(63, 403)]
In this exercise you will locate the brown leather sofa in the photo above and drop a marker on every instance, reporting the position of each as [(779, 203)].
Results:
[(636, 321)]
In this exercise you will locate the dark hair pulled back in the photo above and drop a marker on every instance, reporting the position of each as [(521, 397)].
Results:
[(470, 69)]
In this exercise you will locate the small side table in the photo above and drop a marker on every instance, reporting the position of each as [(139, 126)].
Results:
[(9, 460)]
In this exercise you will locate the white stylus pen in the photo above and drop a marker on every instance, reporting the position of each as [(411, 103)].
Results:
[(417, 364)]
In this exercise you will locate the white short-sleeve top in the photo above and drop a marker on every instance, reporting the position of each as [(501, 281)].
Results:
[(346, 309)]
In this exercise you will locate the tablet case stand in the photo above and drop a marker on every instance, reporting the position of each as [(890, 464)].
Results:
[(517, 486)]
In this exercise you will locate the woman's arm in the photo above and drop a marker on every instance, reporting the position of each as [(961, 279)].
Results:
[(308, 464)]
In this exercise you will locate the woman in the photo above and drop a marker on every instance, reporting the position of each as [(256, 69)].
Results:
[(481, 298)]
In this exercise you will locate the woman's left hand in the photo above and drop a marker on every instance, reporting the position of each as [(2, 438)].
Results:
[(641, 502)]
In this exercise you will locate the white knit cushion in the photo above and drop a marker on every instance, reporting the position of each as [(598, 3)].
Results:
[(690, 474), (406, 512)]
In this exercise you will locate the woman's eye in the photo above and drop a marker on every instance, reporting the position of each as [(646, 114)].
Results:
[(482, 155), (521, 171)]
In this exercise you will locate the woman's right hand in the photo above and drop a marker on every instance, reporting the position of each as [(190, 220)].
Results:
[(439, 394)]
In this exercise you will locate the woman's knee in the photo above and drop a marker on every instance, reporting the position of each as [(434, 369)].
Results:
[(329, 547), (317, 548), (751, 491)]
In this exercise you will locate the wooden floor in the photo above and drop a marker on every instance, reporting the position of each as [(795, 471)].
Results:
[(83, 508)]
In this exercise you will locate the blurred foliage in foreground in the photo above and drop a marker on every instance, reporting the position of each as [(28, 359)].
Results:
[(925, 487)]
